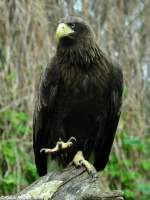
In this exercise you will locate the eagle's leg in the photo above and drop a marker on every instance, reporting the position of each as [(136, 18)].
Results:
[(60, 145), (79, 160)]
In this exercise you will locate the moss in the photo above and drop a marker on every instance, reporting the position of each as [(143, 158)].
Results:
[(44, 191)]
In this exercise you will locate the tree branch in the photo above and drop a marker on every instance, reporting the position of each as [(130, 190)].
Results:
[(71, 184)]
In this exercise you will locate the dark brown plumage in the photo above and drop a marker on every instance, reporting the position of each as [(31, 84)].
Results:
[(79, 95)]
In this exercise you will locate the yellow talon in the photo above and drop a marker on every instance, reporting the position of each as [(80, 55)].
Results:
[(79, 160), (60, 145)]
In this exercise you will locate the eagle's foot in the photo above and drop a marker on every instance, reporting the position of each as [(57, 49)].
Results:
[(60, 145), (79, 160)]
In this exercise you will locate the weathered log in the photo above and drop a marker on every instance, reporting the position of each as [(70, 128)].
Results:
[(71, 184)]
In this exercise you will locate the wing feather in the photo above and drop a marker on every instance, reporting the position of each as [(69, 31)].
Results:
[(107, 133), (41, 118)]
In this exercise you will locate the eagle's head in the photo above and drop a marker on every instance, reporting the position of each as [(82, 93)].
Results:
[(73, 31)]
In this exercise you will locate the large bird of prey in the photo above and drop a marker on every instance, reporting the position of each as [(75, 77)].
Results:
[(78, 103)]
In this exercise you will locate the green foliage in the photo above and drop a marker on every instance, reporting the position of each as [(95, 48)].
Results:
[(17, 168), (18, 121), (144, 189), (129, 173)]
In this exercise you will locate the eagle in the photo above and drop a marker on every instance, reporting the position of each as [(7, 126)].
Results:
[(78, 102)]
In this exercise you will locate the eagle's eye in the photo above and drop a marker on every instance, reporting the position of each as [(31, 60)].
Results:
[(72, 26)]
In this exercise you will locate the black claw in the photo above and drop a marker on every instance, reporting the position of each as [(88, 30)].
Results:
[(93, 174), (81, 163), (60, 146)]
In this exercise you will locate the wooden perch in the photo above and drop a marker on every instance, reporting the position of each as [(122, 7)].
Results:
[(71, 184)]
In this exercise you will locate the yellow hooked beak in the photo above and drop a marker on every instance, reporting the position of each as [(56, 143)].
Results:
[(63, 30)]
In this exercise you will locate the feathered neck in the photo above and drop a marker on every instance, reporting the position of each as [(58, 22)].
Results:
[(83, 55)]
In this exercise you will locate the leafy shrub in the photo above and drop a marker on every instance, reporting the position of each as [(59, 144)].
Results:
[(17, 168)]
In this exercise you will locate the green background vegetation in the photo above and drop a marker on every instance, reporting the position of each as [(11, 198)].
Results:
[(26, 45)]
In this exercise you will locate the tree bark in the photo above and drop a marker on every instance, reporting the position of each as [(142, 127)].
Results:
[(70, 184)]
